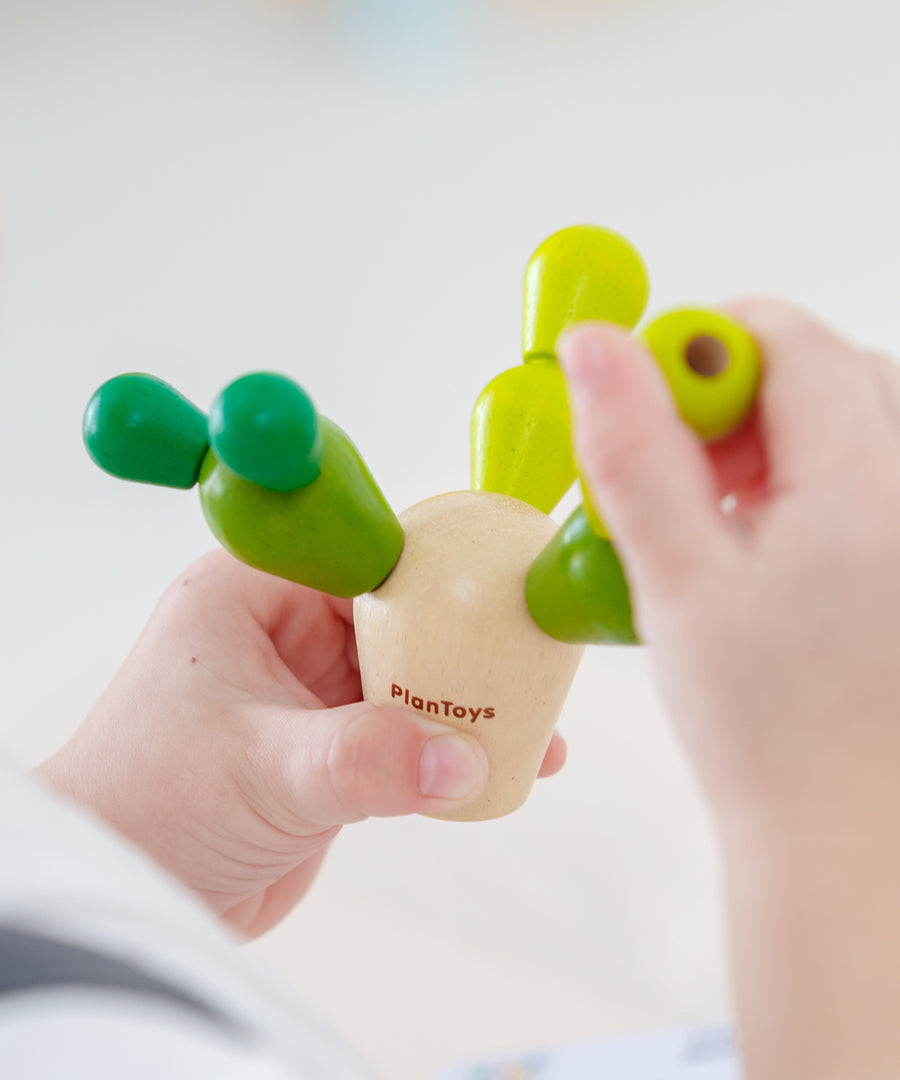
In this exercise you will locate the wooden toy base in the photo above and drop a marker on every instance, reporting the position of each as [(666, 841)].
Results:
[(448, 635)]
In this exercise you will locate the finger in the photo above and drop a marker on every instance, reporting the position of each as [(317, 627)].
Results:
[(221, 587), (646, 468), (334, 766), (886, 372), (258, 914), (343, 608), (819, 406), (739, 460), (555, 757)]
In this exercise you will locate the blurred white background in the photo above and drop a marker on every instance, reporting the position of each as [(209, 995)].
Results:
[(349, 192)]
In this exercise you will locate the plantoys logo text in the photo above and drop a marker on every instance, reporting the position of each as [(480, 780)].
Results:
[(445, 708)]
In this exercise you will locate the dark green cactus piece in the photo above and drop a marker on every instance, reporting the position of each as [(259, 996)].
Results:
[(139, 428), (264, 428)]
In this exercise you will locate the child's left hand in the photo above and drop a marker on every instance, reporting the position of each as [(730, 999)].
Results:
[(233, 743)]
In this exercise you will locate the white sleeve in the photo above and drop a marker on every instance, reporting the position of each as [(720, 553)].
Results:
[(80, 1036), (109, 968)]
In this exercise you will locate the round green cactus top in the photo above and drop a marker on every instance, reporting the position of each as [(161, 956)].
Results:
[(139, 428), (577, 275), (265, 428)]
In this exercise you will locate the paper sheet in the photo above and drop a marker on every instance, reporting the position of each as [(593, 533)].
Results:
[(682, 1055)]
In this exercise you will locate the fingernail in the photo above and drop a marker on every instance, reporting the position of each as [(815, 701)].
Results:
[(450, 768), (585, 359)]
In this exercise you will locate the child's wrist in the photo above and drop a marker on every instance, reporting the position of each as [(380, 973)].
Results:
[(816, 817), (812, 892), (836, 775)]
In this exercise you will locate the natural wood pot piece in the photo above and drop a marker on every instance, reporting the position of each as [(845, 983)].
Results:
[(449, 636)]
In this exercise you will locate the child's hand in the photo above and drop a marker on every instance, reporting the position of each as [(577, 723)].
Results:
[(233, 744), (775, 630)]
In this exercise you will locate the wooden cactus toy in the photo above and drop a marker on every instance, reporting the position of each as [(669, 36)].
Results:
[(473, 608)]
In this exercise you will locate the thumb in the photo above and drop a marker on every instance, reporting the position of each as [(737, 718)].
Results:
[(648, 471), (341, 765)]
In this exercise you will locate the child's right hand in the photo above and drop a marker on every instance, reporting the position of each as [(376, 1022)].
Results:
[(775, 630), (775, 633)]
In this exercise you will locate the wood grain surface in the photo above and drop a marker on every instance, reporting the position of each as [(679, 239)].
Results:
[(448, 635)]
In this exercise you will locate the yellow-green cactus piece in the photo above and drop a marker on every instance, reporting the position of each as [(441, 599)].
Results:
[(713, 368), (521, 436), (580, 274), (712, 365), (521, 431)]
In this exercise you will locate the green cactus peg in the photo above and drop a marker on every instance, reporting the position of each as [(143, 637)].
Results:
[(521, 433)]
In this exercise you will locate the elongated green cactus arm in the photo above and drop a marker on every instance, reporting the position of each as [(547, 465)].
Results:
[(337, 534), (576, 590), (286, 491)]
